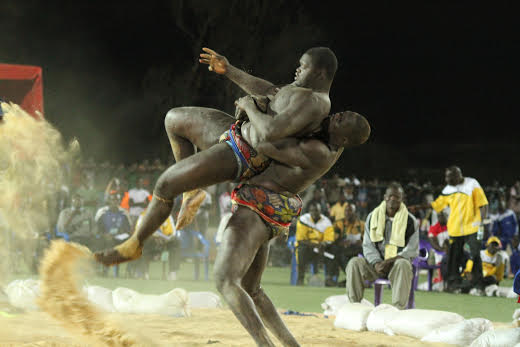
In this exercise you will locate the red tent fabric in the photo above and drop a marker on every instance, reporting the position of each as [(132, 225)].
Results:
[(22, 84)]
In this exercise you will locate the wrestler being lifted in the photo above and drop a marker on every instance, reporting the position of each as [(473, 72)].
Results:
[(294, 110), (227, 147)]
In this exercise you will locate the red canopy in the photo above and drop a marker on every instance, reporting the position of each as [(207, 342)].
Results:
[(22, 84)]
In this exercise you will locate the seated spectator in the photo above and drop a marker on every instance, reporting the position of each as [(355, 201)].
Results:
[(138, 200), (164, 243), (440, 241), (77, 222), (438, 234), (337, 211), (492, 268), (312, 229), (318, 197), (505, 225), (113, 224), (347, 244), (390, 242)]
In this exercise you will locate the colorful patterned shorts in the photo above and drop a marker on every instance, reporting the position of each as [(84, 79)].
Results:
[(276, 210), (250, 162)]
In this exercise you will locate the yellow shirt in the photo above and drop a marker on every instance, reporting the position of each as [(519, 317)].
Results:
[(492, 265), (167, 228), (338, 212), (464, 201), (316, 232)]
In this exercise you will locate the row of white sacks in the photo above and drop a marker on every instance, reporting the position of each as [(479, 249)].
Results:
[(426, 325), (176, 303)]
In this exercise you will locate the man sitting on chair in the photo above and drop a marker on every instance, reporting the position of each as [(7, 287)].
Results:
[(390, 243)]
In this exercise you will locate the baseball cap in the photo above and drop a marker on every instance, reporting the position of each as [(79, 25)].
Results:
[(494, 239)]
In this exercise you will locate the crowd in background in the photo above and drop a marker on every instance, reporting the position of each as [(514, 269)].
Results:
[(99, 205)]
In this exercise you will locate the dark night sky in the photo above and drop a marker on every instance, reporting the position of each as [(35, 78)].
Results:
[(437, 80)]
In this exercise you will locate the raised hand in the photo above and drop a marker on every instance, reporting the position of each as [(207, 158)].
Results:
[(217, 63)]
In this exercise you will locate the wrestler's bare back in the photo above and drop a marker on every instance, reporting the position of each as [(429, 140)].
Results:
[(290, 100), (316, 160)]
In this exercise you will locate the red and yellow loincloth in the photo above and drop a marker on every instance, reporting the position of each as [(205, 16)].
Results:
[(277, 210), (250, 162)]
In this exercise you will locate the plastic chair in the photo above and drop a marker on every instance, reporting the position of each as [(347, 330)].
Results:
[(381, 282), (423, 264), (189, 249), (294, 264)]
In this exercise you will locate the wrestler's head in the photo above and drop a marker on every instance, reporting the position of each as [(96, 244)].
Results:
[(317, 68), (348, 129)]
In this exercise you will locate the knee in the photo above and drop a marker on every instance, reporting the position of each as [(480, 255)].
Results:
[(403, 265), (355, 263), (175, 119), (222, 281), (161, 186)]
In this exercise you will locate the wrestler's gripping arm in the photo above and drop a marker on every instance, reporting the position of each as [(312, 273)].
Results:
[(220, 65), (302, 109), (296, 153)]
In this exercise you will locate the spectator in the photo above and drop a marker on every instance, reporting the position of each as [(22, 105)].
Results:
[(77, 222), (138, 199), (337, 211), (202, 216), (505, 225), (347, 244), (491, 270), (514, 259), (89, 194), (163, 243), (390, 242), (318, 197), (440, 241), (438, 234), (312, 229), (514, 198), (468, 207), (113, 225)]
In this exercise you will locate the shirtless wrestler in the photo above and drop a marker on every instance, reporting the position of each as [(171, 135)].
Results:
[(293, 110), (263, 209)]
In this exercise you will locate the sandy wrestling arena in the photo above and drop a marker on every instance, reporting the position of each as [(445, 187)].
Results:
[(205, 326)]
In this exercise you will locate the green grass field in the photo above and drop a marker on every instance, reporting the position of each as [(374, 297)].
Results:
[(308, 299)]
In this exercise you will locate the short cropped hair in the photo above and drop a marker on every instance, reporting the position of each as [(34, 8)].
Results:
[(324, 58), (360, 129), (395, 185)]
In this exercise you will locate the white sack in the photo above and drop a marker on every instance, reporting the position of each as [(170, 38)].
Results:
[(23, 293), (101, 297), (498, 338), (333, 303), (461, 334), (174, 303), (418, 323), (377, 319), (204, 300), (353, 316)]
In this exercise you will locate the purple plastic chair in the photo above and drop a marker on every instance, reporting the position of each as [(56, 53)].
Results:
[(423, 264), (381, 282)]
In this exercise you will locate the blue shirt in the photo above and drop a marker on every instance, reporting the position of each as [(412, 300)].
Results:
[(505, 226)]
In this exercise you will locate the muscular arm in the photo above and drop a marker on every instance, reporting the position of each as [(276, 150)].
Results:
[(302, 109), (250, 84), (295, 153)]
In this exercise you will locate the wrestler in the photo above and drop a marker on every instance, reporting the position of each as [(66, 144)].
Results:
[(274, 113), (263, 208)]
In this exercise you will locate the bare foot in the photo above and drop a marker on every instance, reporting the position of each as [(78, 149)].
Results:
[(191, 202), (129, 250)]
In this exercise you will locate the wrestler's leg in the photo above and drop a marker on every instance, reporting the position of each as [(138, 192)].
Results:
[(214, 165), (194, 126), (189, 128), (244, 236), (266, 309)]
